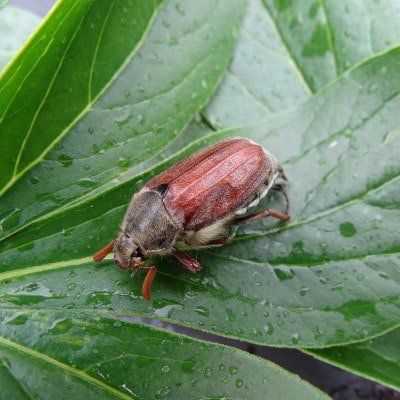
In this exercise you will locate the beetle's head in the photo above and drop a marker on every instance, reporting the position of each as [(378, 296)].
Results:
[(127, 253)]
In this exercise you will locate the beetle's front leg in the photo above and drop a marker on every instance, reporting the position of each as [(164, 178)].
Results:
[(149, 278), (187, 262), (268, 212), (148, 281)]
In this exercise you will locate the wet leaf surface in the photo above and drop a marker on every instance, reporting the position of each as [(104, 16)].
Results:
[(330, 277), (47, 353)]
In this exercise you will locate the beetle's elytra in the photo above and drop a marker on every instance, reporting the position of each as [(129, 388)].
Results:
[(195, 203)]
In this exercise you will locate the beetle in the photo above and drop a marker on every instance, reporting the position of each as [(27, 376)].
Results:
[(196, 203)]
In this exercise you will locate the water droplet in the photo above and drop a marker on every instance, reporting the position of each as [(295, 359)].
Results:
[(207, 372), (284, 274), (179, 7), (163, 392), (127, 388), (87, 182), (202, 311), (65, 160), (231, 316), (165, 369), (34, 180), (295, 338), (304, 291), (239, 383), (166, 311), (123, 116), (383, 275), (233, 370), (123, 162), (347, 229)]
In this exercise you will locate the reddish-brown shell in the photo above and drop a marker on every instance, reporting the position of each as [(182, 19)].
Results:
[(213, 183)]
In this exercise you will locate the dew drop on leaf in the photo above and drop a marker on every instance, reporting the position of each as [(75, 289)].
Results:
[(239, 383)]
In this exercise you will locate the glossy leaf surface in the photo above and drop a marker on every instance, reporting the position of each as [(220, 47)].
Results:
[(329, 277), (145, 107), (78, 358), (58, 354)]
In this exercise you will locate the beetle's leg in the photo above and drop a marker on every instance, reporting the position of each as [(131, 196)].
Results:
[(268, 212), (105, 251), (148, 281), (282, 190), (187, 261)]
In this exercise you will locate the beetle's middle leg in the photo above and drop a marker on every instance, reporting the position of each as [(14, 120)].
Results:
[(268, 212), (187, 262)]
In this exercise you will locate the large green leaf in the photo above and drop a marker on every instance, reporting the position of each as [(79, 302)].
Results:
[(290, 49), (15, 27), (61, 355), (329, 277), (132, 93), (377, 359), (260, 288), (145, 106)]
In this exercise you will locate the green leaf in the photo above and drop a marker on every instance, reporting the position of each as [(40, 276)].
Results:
[(52, 354), (112, 87), (329, 277), (15, 26), (288, 50), (144, 106), (84, 129), (378, 359)]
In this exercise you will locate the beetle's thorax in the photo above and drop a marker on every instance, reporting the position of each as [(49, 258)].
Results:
[(148, 224)]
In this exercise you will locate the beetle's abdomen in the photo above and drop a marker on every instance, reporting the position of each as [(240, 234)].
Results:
[(215, 182)]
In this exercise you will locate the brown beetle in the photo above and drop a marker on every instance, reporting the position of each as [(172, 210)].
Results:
[(195, 203)]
